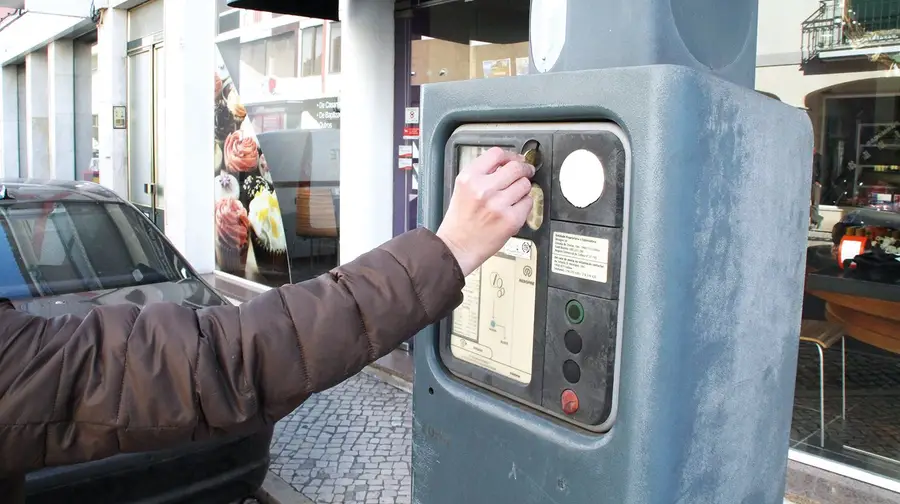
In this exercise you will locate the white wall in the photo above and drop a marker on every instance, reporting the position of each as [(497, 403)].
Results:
[(188, 141), (779, 33), (37, 121), (252, 86), (111, 91), (32, 31), (85, 103), (367, 126), (61, 110), (23, 131), (9, 117), (75, 8)]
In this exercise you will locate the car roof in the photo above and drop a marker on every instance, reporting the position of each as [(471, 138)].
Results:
[(30, 190)]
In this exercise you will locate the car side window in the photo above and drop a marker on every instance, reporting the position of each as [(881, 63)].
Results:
[(64, 247)]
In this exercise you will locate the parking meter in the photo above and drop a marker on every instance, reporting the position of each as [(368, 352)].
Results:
[(636, 341)]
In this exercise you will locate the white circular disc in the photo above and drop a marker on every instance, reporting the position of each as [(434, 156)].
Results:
[(581, 178)]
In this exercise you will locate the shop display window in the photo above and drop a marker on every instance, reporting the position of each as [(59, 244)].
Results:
[(451, 42), (277, 146)]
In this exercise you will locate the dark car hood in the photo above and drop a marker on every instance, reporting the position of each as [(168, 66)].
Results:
[(189, 293)]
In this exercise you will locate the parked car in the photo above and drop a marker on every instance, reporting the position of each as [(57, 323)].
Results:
[(66, 247)]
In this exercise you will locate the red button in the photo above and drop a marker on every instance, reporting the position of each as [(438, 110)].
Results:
[(569, 402)]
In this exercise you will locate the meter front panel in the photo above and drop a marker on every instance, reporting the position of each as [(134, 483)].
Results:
[(539, 320)]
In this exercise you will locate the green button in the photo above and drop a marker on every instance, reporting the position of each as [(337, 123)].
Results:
[(574, 312)]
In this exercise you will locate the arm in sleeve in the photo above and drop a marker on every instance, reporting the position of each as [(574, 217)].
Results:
[(127, 379)]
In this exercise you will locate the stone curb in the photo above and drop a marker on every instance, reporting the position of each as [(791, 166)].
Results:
[(275, 490), (388, 377)]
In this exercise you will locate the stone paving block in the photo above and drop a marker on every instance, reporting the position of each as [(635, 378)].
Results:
[(349, 444)]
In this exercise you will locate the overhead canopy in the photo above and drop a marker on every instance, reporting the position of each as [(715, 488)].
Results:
[(319, 9)]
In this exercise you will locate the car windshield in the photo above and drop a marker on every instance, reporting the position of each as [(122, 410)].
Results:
[(51, 248)]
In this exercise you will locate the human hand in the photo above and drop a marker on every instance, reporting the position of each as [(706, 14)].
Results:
[(489, 205)]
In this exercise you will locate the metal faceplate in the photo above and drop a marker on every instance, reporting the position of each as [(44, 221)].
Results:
[(514, 334)]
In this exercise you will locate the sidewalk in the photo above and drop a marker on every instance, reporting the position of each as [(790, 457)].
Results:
[(350, 444)]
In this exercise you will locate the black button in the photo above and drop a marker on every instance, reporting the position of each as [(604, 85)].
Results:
[(571, 371), (573, 341)]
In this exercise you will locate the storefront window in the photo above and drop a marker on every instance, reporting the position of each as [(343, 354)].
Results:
[(846, 77), (277, 146), (334, 58), (311, 63), (450, 42)]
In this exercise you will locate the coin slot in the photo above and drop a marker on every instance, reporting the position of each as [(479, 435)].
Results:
[(536, 216), (532, 152)]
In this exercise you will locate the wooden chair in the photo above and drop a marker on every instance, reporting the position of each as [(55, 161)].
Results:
[(316, 216), (824, 335)]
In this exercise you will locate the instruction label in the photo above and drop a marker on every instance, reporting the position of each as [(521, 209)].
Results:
[(579, 256), (493, 328)]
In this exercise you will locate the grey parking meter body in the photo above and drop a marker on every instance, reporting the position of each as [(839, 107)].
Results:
[(636, 342)]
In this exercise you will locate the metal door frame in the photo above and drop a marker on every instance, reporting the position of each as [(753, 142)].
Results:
[(151, 44)]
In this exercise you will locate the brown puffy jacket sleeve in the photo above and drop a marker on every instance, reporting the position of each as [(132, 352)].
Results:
[(127, 379)]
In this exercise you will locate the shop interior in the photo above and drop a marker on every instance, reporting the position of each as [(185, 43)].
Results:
[(847, 400), (453, 41)]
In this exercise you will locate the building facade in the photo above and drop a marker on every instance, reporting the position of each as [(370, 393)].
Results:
[(271, 148)]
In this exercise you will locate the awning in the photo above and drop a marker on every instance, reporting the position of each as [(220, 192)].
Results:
[(319, 9)]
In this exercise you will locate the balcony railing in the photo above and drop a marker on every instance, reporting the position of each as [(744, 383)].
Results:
[(851, 25)]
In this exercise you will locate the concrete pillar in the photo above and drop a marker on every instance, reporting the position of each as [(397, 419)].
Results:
[(367, 125), (190, 30), (9, 122), (61, 113), (112, 87), (37, 128)]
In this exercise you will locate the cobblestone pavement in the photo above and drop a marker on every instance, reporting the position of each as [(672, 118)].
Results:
[(348, 444)]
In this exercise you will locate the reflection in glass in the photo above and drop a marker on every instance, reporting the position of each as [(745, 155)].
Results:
[(277, 150), (72, 246), (335, 57), (847, 397), (457, 41), (311, 62)]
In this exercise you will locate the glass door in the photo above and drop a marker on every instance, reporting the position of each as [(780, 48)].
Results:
[(145, 127), (159, 128)]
